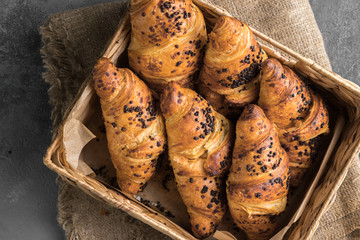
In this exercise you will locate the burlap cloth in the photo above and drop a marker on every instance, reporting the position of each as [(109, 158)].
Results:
[(73, 40)]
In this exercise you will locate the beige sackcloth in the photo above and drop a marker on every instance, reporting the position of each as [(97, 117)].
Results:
[(72, 42)]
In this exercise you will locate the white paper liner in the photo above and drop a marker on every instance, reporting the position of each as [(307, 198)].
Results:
[(76, 136)]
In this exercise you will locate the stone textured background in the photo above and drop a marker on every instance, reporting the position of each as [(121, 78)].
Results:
[(28, 191)]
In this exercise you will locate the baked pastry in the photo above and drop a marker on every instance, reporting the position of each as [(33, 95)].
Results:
[(167, 38), (232, 65), (134, 128), (199, 141), (297, 111), (258, 181)]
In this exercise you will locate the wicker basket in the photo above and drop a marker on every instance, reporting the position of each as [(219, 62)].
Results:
[(345, 93)]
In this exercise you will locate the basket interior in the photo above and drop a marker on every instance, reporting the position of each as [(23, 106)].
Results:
[(164, 208)]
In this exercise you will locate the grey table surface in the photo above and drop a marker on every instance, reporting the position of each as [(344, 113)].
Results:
[(28, 190)]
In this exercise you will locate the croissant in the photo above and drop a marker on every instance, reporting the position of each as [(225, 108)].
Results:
[(258, 181), (134, 128), (232, 65), (167, 38), (199, 141), (299, 113)]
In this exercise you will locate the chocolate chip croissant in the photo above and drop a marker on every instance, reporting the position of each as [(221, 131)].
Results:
[(199, 141), (134, 128), (257, 185), (232, 65), (298, 112), (167, 38)]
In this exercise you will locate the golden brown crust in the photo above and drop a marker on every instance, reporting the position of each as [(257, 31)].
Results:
[(298, 112), (257, 185), (219, 103), (134, 128), (167, 39), (232, 63), (199, 142)]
